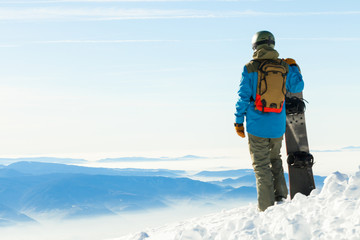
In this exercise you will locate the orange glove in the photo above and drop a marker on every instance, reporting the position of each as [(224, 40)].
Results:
[(239, 127), (290, 61)]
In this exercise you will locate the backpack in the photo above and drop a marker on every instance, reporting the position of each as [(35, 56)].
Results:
[(271, 86)]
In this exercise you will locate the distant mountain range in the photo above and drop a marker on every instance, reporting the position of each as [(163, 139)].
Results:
[(226, 173), (348, 148), (250, 181), (39, 187), (39, 168), (145, 159), (6, 161)]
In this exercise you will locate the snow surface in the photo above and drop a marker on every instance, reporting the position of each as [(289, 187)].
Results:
[(332, 213)]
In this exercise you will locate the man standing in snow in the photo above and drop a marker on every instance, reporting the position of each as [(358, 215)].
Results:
[(265, 115)]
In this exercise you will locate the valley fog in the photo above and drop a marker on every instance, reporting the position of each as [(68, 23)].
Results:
[(108, 227)]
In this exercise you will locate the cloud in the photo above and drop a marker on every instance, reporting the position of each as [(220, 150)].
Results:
[(98, 14), (114, 13), (114, 1), (336, 39), (143, 41), (9, 45), (87, 41), (105, 41)]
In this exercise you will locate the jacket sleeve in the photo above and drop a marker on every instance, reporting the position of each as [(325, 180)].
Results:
[(294, 81), (244, 93)]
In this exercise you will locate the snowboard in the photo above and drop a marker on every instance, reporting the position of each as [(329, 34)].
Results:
[(300, 161)]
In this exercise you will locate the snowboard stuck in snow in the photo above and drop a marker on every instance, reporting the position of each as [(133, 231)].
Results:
[(300, 161), (332, 214)]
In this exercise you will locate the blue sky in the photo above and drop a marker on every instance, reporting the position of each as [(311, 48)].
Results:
[(130, 78)]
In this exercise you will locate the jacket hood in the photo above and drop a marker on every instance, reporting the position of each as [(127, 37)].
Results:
[(265, 53)]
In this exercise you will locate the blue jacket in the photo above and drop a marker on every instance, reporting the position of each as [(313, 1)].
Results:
[(265, 125)]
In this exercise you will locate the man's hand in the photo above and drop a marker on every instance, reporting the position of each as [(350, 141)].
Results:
[(239, 127), (290, 61)]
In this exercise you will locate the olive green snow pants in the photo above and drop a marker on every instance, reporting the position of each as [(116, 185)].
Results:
[(269, 172)]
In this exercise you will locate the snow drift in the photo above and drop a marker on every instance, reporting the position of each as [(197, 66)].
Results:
[(332, 213)]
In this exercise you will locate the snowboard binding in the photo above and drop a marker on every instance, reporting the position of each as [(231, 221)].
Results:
[(300, 159), (295, 105)]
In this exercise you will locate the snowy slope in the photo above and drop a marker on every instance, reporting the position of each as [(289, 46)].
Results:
[(333, 213)]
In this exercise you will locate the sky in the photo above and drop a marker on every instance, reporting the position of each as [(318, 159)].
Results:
[(96, 79)]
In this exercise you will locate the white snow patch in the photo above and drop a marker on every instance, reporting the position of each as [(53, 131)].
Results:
[(332, 213)]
